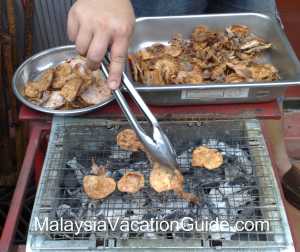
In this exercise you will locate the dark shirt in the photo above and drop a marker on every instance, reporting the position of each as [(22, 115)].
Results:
[(168, 7)]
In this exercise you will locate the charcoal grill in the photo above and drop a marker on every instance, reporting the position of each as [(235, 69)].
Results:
[(244, 188), (250, 192)]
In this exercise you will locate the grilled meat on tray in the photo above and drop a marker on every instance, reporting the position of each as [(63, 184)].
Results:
[(70, 85), (231, 56)]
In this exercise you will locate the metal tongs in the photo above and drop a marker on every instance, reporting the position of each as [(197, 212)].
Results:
[(158, 146)]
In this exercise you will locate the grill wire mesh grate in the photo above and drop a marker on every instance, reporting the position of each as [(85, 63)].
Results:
[(242, 189)]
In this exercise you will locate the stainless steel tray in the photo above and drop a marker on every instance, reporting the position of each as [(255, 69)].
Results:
[(150, 30), (38, 63)]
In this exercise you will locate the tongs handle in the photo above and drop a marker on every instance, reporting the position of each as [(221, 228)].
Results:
[(137, 99)]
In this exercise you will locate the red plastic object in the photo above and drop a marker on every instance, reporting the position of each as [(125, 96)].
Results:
[(11, 222)]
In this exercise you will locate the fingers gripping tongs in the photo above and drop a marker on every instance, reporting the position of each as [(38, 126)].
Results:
[(158, 146)]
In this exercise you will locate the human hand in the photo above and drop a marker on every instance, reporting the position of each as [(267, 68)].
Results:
[(96, 25)]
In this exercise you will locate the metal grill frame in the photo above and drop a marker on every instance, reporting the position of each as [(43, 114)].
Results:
[(269, 198)]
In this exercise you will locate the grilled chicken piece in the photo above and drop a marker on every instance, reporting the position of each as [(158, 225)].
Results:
[(176, 46), (96, 93), (255, 72), (86, 76), (173, 50), (55, 100), (157, 50), (131, 182), (71, 89), (255, 45), (263, 72), (199, 34), (153, 77), (237, 30), (241, 70), (99, 185), (31, 91), (191, 77), (45, 81), (34, 89), (234, 78), (61, 75), (207, 158), (162, 180), (128, 140), (146, 54), (167, 67), (42, 100)]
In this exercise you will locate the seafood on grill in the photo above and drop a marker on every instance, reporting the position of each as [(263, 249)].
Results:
[(206, 158), (163, 179), (206, 57), (128, 140), (69, 85), (131, 182), (98, 185)]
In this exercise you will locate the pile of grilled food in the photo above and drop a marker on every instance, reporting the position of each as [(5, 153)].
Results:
[(99, 185), (232, 56), (70, 85)]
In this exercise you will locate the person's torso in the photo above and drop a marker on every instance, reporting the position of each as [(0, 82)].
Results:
[(168, 7)]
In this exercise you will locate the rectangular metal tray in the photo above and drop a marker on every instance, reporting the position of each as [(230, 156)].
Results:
[(151, 30)]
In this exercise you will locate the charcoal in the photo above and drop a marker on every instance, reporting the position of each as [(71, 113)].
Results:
[(243, 180), (129, 213), (115, 164), (70, 180), (117, 175), (228, 193), (149, 216), (91, 208), (248, 210), (184, 159), (138, 156), (73, 192), (220, 232), (204, 176), (65, 211), (148, 200), (139, 166), (78, 169), (118, 154)]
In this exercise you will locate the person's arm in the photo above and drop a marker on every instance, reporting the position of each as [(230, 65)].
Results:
[(96, 25)]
